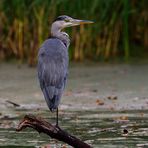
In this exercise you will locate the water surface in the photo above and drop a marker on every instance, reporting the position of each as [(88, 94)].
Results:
[(121, 89), (103, 129)]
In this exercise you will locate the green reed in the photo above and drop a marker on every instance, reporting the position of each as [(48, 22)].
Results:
[(119, 26)]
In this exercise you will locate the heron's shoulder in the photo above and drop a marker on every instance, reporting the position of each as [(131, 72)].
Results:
[(54, 43), (53, 47)]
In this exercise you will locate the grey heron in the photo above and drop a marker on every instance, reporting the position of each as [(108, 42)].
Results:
[(53, 61)]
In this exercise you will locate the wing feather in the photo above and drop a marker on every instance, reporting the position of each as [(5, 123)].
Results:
[(52, 70)]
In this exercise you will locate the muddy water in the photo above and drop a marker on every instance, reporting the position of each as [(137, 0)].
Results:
[(103, 129), (100, 103)]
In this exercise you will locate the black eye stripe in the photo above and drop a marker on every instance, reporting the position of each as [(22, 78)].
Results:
[(60, 18)]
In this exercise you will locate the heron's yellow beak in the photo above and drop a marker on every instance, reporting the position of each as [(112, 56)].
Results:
[(79, 22), (86, 22)]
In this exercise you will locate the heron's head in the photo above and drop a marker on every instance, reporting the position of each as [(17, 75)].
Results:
[(64, 21)]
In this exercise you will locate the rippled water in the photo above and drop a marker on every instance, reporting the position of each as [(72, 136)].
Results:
[(102, 126), (99, 128)]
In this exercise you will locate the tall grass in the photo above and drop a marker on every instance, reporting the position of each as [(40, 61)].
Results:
[(118, 27)]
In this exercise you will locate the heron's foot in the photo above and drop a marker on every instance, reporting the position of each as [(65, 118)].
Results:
[(57, 126)]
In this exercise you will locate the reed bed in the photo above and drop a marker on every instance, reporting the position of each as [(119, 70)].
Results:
[(120, 27)]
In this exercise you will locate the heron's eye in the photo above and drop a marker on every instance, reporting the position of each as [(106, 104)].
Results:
[(66, 20)]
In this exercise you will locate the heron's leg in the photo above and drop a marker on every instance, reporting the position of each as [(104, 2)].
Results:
[(57, 117)]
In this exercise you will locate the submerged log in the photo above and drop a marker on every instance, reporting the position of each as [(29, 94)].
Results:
[(53, 131), (13, 103)]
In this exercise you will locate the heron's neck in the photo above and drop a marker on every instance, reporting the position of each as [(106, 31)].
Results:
[(63, 36)]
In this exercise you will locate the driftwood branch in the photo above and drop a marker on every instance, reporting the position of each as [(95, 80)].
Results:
[(55, 132)]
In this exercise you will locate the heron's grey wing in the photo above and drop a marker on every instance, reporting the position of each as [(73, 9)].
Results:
[(52, 70)]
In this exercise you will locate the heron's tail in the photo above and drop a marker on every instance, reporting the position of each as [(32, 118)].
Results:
[(52, 96)]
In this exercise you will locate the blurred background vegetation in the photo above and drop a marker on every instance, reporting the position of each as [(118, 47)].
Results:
[(120, 30)]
